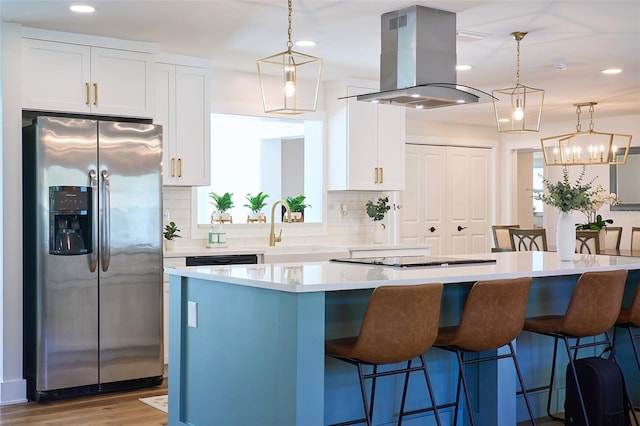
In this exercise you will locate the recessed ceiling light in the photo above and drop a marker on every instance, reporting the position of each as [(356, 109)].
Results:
[(611, 71), (420, 106), (415, 95), (460, 101), (82, 8), (305, 43), (463, 67)]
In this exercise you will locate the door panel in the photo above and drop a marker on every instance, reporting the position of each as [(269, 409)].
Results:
[(67, 291), (423, 211), (131, 285), (447, 188)]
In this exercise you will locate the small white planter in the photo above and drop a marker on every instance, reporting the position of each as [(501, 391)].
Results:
[(379, 232), (169, 244)]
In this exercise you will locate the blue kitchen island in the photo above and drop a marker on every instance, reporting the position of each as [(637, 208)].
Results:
[(246, 342)]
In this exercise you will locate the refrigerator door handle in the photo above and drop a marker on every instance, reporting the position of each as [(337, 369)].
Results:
[(105, 253), (93, 259)]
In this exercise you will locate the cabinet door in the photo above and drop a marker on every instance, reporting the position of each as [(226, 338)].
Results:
[(193, 126), (362, 142), (164, 115), (56, 76), (391, 147), (122, 82)]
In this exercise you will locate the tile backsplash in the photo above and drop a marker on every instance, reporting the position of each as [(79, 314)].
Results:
[(346, 218)]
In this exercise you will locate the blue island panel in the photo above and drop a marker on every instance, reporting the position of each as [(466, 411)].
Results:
[(240, 365)]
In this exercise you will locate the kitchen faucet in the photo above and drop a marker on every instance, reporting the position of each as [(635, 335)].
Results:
[(272, 234)]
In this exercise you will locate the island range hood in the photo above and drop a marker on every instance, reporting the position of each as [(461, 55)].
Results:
[(418, 60)]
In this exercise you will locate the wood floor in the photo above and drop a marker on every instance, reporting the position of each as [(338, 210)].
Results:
[(117, 408)]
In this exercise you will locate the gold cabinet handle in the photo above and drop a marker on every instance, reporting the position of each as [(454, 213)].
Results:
[(173, 167), (381, 180), (375, 178), (179, 167), (95, 94), (87, 93)]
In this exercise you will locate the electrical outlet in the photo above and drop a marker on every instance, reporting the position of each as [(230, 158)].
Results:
[(192, 314)]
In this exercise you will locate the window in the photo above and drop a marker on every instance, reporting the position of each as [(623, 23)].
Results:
[(277, 156)]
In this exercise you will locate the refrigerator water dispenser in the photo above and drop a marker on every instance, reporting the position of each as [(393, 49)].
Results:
[(69, 220)]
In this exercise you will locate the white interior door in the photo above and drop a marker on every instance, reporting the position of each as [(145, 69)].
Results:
[(447, 201)]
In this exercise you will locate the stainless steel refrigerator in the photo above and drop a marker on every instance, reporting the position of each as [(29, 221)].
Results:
[(92, 199)]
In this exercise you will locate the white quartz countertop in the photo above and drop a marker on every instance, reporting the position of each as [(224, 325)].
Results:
[(333, 276), (284, 248)]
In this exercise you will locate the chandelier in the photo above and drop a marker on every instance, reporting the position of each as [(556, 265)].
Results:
[(586, 147), (523, 107), (299, 80)]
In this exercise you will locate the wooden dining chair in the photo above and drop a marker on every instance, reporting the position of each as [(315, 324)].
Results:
[(613, 234), (588, 241), (534, 239), (635, 238), (501, 237)]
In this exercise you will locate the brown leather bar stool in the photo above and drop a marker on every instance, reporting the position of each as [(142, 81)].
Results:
[(592, 311), (399, 324), (629, 318), (492, 317)]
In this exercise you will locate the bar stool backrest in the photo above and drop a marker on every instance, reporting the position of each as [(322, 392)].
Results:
[(588, 241), (493, 314), (596, 292), (634, 309), (400, 323)]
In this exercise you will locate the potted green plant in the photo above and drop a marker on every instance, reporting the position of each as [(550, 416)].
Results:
[(567, 197), (222, 203), (170, 232), (297, 206), (256, 203), (377, 210)]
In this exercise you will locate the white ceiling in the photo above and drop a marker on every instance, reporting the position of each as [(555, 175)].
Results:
[(586, 35)]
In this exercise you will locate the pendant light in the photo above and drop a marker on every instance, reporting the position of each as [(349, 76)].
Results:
[(583, 148), (518, 109), (295, 83)]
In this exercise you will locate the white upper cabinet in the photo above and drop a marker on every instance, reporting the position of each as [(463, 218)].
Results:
[(77, 78), (183, 109), (366, 142)]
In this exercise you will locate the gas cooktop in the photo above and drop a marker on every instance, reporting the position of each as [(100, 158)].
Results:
[(413, 261)]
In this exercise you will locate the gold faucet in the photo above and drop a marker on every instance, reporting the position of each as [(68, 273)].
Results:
[(272, 234)]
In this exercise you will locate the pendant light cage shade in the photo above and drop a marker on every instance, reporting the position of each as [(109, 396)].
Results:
[(518, 109), (289, 82), (588, 147)]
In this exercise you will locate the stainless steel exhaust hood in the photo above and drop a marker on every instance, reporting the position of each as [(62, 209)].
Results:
[(418, 60)]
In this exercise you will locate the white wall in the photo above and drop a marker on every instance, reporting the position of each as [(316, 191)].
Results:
[(12, 385)]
